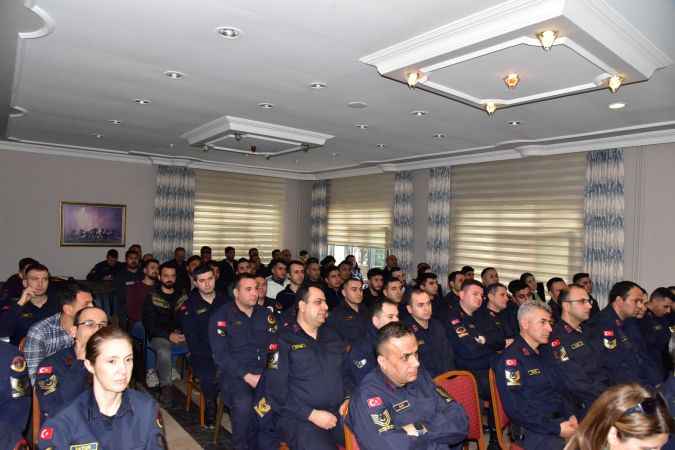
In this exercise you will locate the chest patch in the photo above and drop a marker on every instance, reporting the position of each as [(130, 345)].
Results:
[(298, 346), (382, 421), (401, 406), (534, 372), (461, 332), (90, 446), (577, 344)]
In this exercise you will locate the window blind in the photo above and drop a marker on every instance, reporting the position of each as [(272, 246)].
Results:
[(359, 211), (238, 210), (524, 215)]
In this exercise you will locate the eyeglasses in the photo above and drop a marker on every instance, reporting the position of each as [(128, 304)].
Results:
[(92, 324), (648, 406)]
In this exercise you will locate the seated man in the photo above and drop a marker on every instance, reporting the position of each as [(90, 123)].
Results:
[(15, 391), (532, 395), (435, 352), (13, 287), (373, 292), (53, 333), (398, 406), (277, 281), (554, 286), (36, 302), (162, 327), (655, 329), (332, 286), (106, 269), (584, 280), (296, 278), (62, 376), (350, 318), (361, 357)]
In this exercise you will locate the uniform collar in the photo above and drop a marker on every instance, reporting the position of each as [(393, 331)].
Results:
[(94, 413)]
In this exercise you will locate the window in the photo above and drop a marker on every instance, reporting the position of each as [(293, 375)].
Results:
[(240, 210), (359, 218), (523, 215)]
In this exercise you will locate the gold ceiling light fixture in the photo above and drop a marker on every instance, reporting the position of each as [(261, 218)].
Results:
[(511, 80), (417, 76), (547, 38), (490, 108), (614, 83)]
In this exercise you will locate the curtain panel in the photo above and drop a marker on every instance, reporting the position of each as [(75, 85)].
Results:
[(604, 220), (438, 229), (319, 219), (173, 222), (403, 243)]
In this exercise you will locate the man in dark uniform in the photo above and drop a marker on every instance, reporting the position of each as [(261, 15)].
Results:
[(361, 357), (194, 317), (296, 277), (227, 266), (393, 290), (350, 318), (655, 329), (106, 270), (125, 277), (583, 279), (304, 382), (651, 369), (312, 271), (435, 352), (332, 286), (583, 375), (497, 310), (554, 286), (451, 300), (489, 276), (468, 272), (374, 290), (13, 287), (15, 391), (61, 377), (241, 334), (612, 343), (397, 405), (37, 302), (528, 384)]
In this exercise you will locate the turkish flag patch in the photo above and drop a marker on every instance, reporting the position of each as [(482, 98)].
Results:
[(221, 323), (46, 370), (455, 321), (47, 433), (273, 348), (608, 333), (511, 362), (374, 402), (555, 343)]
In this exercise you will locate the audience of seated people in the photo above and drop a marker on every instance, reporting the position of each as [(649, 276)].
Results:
[(287, 343)]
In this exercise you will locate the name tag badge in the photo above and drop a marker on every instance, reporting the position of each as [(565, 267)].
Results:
[(577, 344), (298, 346), (534, 372), (401, 406), (90, 446)]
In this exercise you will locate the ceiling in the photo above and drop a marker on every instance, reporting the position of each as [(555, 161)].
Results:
[(96, 57)]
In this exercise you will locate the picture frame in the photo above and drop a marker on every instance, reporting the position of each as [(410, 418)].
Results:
[(92, 224)]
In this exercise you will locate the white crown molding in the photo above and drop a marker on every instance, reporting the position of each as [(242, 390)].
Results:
[(48, 23)]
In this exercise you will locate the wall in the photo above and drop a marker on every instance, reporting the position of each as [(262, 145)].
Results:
[(32, 185), (297, 220), (649, 255)]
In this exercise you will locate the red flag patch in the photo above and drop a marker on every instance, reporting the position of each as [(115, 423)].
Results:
[(374, 402), (46, 370), (47, 433), (511, 362), (608, 333), (221, 323), (555, 343)]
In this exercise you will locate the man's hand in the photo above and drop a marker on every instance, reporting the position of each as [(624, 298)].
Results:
[(26, 295), (568, 428), (410, 430), (177, 338), (323, 419), (252, 380), (481, 340)]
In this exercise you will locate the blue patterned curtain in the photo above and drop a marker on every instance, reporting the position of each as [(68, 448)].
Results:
[(403, 243), (319, 217), (174, 211), (438, 229), (603, 210)]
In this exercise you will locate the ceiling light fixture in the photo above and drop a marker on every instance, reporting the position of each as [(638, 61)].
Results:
[(511, 80), (266, 105), (614, 83), (97, 135), (617, 105), (229, 32), (439, 136), (142, 101), (419, 113), (547, 38), (357, 104), (490, 107), (115, 121), (334, 155), (381, 146), (513, 123), (174, 74), (317, 85), (415, 77), (362, 126)]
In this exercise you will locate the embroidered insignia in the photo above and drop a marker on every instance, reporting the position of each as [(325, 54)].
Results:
[(20, 386), (273, 347), (18, 364), (577, 344), (374, 402), (199, 311), (271, 319), (534, 372), (90, 446), (444, 394), (455, 321), (348, 317), (221, 323), (273, 360), (511, 362), (401, 406), (47, 433), (555, 343), (563, 355), (461, 332), (27, 315), (298, 346), (512, 376), (383, 421), (46, 370), (160, 303), (49, 385), (609, 341), (262, 407), (361, 363)]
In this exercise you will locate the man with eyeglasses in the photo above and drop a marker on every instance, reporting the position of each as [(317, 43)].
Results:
[(62, 376), (571, 351)]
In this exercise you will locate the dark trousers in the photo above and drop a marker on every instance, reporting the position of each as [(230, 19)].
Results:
[(205, 370), (304, 435), (238, 396)]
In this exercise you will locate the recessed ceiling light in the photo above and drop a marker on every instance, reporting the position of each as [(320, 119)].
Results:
[(419, 113), (142, 101), (439, 135), (381, 146), (513, 123), (357, 105), (617, 105), (334, 155), (97, 135), (266, 105), (115, 121), (362, 126), (174, 74), (229, 32), (171, 145), (317, 85)]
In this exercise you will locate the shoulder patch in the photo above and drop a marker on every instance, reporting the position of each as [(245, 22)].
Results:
[(18, 364), (262, 407), (511, 362), (47, 433), (48, 385), (374, 402), (382, 421), (45, 370), (555, 343)]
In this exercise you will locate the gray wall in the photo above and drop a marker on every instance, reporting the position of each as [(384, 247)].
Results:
[(34, 184), (297, 221)]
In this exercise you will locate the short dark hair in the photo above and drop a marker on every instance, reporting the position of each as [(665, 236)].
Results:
[(312, 260), (69, 294), (131, 252), (453, 275), (37, 267), (277, 261), (167, 265), (145, 263), (492, 288), (328, 260), (486, 270), (201, 269), (378, 306), (112, 253), (393, 330), (394, 269), (193, 258), (552, 281), (303, 252), (229, 248), (326, 271), (517, 285), (25, 262), (295, 262), (389, 280), (375, 271), (579, 276), (469, 282), (467, 269), (345, 263), (621, 289), (352, 278), (565, 293), (179, 249), (76, 319), (242, 276), (426, 276), (303, 293), (525, 275), (205, 249), (662, 293)]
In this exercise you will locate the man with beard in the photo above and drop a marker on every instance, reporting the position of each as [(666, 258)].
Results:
[(137, 292), (312, 271), (107, 269), (374, 290), (126, 277), (160, 319)]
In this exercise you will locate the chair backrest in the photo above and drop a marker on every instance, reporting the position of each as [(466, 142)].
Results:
[(501, 419), (461, 385), (36, 418), (350, 439)]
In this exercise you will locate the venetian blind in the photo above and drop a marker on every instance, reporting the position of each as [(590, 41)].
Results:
[(243, 211), (524, 215), (359, 211)]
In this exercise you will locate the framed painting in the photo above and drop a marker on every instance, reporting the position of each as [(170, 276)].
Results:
[(93, 225)]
